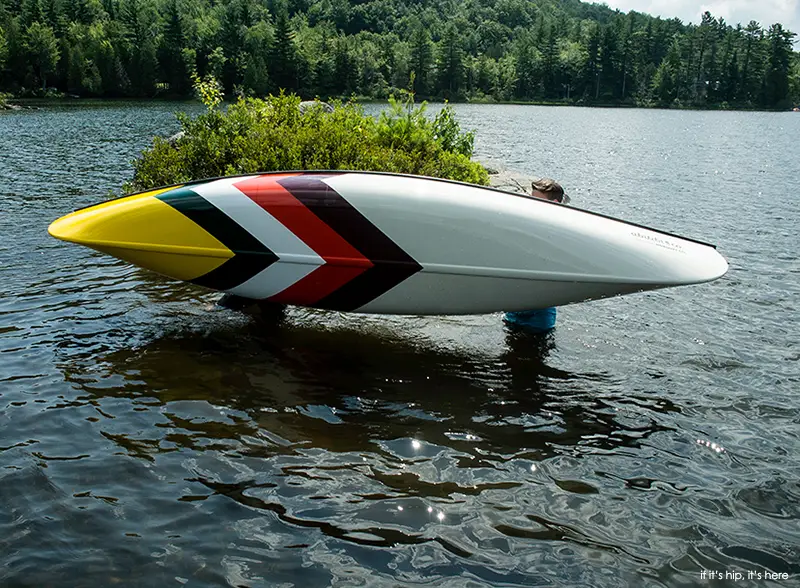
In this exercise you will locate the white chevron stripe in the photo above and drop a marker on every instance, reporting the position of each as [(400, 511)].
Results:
[(296, 259), (257, 221), (276, 278)]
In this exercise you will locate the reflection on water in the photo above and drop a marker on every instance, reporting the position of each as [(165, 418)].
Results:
[(150, 437), (353, 430), (306, 383)]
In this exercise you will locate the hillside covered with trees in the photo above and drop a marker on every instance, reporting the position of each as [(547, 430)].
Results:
[(493, 50)]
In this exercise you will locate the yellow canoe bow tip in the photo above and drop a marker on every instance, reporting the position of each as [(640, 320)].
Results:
[(147, 232)]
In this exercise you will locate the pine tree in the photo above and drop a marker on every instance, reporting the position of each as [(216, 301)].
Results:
[(609, 59), (729, 74), (258, 40), (139, 18), (450, 65), (421, 60), (705, 34), (325, 75), (666, 80), (283, 55), (527, 68), (233, 24), (344, 67), (30, 12), (549, 63), (173, 41), (751, 65), (592, 80), (625, 50), (776, 82), (82, 11)]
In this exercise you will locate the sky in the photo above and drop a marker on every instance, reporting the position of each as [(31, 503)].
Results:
[(765, 12)]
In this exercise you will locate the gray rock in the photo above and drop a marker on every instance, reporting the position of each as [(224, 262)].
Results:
[(306, 105), (504, 179), (173, 140), (511, 181)]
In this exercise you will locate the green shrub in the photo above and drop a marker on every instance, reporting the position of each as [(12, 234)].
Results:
[(261, 135)]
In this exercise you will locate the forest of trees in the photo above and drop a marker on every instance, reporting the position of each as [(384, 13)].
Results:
[(482, 50)]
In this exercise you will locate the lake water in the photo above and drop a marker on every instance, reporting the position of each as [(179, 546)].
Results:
[(151, 438)]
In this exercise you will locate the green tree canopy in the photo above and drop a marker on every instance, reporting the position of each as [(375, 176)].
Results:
[(538, 50), (41, 48)]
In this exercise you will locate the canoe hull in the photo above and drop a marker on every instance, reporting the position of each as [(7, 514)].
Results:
[(386, 243)]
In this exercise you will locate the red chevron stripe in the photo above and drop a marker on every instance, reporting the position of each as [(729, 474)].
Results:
[(324, 280), (343, 262), (295, 216), (392, 264)]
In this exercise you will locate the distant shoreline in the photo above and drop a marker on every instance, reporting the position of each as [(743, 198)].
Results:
[(15, 103)]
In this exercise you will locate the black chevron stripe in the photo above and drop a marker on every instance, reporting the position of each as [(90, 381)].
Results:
[(366, 287), (250, 255), (346, 220), (392, 264)]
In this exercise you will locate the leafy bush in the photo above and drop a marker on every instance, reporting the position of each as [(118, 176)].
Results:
[(272, 134)]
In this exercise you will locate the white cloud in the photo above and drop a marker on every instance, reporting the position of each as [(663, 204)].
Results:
[(765, 12)]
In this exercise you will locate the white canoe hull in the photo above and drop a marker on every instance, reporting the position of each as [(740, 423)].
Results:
[(385, 243)]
